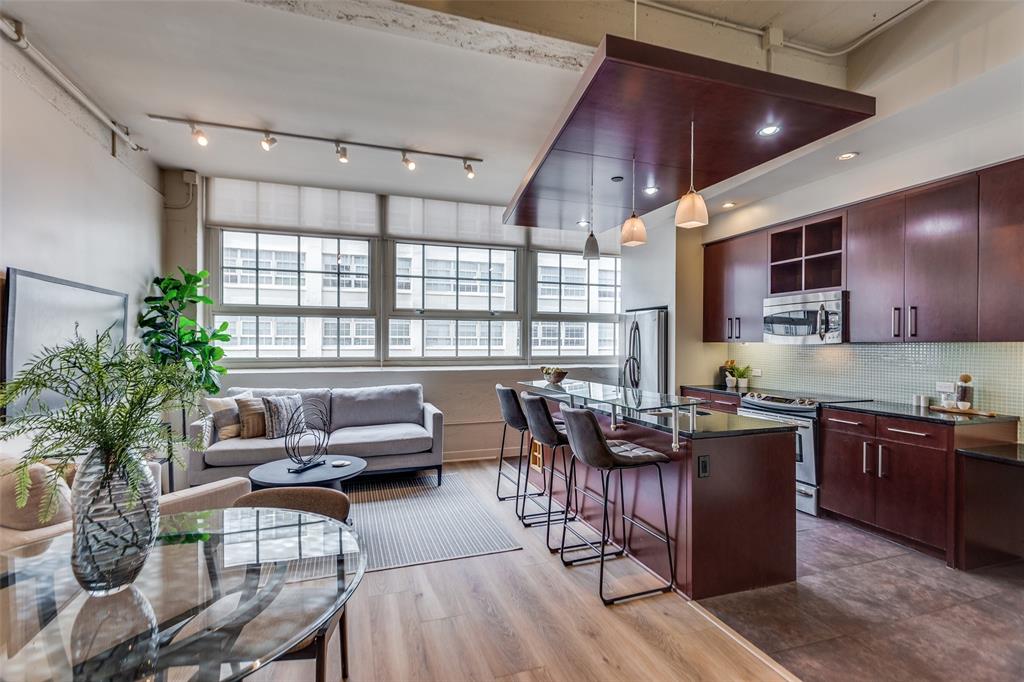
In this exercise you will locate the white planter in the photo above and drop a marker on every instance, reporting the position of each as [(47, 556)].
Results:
[(742, 384), (730, 381)]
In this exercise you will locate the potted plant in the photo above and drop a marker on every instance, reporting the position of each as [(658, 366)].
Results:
[(741, 375), (172, 337), (109, 420), (730, 380)]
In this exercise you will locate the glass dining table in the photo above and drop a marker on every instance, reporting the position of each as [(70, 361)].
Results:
[(616, 398), (223, 593)]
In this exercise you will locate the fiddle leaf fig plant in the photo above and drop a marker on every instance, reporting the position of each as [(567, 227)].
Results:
[(171, 336)]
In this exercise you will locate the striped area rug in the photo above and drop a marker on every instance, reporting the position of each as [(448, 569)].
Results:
[(403, 522)]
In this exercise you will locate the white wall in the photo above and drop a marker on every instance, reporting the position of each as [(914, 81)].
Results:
[(67, 207)]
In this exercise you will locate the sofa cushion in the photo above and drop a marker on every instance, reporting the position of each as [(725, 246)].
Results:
[(246, 452), (397, 404), (379, 439), (313, 400)]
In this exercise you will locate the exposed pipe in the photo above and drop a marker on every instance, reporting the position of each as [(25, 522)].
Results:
[(752, 30), (14, 31)]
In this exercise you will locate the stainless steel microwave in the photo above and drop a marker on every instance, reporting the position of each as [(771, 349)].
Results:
[(808, 319)]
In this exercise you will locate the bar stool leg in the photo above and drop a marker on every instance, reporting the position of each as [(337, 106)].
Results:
[(501, 462), (565, 515)]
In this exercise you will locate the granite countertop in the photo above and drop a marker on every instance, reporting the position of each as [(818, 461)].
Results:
[(710, 424), (1004, 453), (904, 411)]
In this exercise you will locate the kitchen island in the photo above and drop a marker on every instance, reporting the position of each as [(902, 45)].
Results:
[(729, 487)]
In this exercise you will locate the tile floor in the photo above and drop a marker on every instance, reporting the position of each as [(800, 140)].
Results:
[(864, 608)]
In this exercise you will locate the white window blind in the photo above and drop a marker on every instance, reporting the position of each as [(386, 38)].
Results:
[(409, 217)]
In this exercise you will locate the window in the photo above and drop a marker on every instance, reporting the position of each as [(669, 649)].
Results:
[(591, 339), (434, 277), (568, 284), (433, 338), (277, 336)]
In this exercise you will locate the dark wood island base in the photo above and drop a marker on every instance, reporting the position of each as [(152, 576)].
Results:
[(730, 504)]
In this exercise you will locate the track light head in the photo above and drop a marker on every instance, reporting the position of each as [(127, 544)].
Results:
[(198, 135), (268, 142), (407, 162), (468, 167), (342, 152)]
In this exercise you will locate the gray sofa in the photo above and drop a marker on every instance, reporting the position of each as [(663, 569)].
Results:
[(388, 426)]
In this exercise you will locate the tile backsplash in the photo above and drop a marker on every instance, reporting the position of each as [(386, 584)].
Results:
[(893, 372)]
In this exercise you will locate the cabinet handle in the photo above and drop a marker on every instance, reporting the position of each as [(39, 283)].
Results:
[(739, 334), (881, 474), (864, 458), (913, 320), (909, 433), (729, 335), (845, 421), (725, 402), (896, 323)]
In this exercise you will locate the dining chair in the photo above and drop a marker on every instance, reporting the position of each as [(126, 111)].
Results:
[(326, 502)]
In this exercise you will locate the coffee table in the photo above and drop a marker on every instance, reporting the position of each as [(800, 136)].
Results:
[(276, 475)]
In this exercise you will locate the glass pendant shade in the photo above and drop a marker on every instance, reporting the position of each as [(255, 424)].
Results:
[(591, 251), (634, 232), (692, 211)]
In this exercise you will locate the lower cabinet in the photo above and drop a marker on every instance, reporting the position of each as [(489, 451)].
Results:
[(898, 487), (910, 491)]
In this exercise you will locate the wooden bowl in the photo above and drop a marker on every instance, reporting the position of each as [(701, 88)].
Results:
[(555, 377)]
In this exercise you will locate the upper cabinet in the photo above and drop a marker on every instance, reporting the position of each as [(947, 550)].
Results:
[(942, 261), (735, 285), (807, 257), (874, 269), (1001, 253)]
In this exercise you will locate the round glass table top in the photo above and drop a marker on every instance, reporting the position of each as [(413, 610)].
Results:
[(222, 593)]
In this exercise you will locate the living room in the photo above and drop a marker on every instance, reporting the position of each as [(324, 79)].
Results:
[(412, 340)]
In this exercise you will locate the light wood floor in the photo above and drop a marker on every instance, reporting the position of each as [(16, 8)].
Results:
[(523, 616)]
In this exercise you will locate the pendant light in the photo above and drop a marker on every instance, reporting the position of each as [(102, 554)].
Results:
[(692, 211), (634, 232), (591, 249)]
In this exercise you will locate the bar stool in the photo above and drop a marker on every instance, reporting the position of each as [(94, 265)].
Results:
[(590, 446), (513, 417), (545, 431)]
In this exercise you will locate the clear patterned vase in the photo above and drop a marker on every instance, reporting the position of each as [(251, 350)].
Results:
[(113, 529)]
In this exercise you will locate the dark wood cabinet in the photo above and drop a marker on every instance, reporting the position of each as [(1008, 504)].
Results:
[(735, 285), (847, 475), (941, 261), (1001, 253), (874, 269), (910, 491)]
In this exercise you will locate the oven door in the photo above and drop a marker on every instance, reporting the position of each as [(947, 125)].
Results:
[(811, 319)]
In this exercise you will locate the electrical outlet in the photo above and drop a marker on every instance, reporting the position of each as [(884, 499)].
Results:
[(944, 387), (755, 372)]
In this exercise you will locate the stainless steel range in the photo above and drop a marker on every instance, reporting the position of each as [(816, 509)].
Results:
[(801, 411)]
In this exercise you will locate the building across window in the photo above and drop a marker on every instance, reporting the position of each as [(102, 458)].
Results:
[(433, 277), (434, 338), (299, 337), (568, 284), (591, 339)]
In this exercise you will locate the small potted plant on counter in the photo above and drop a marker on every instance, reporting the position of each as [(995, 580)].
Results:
[(741, 375), (727, 367)]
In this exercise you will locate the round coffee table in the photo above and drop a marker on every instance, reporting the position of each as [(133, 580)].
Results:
[(276, 475)]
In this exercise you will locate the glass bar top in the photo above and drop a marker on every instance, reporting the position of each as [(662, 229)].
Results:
[(609, 394)]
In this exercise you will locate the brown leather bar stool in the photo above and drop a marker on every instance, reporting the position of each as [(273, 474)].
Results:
[(545, 431), (513, 417), (590, 446)]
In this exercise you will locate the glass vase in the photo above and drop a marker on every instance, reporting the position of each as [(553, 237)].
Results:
[(114, 528)]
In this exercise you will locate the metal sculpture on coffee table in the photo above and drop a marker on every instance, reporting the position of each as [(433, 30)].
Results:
[(305, 446)]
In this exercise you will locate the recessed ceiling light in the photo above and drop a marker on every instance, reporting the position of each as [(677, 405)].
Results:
[(769, 130), (650, 191), (729, 204), (846, 156), (583, 222), (617, 178)]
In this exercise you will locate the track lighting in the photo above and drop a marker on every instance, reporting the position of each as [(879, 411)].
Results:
[(407, 162), (468, 167), (268, 142), (342, 152), (199, 136)]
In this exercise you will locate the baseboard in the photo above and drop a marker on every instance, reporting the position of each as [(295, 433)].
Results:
[(482, 453)]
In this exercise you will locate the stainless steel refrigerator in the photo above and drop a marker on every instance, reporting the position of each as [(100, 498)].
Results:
[(645, 349)]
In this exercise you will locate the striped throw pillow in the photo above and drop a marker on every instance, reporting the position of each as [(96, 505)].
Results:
[(279, 411)]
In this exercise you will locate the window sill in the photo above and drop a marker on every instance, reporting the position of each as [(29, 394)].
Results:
[(342, 369)]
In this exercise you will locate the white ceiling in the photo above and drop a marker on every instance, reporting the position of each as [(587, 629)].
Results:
[(826, 24), (255, 66)]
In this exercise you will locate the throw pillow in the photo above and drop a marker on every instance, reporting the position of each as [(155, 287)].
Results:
[(27, 517), (252, 417), (279, 411), (225, 415)]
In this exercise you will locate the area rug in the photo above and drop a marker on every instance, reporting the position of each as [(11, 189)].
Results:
[(403, 522)]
